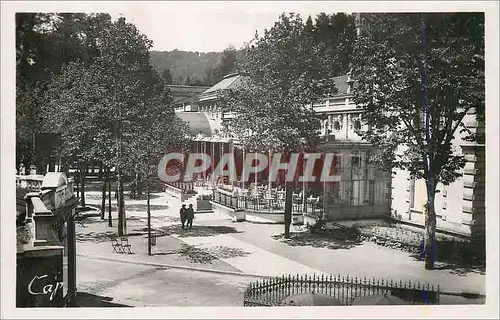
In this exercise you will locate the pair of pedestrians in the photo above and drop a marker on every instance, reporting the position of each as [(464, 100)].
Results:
[(187, 216)]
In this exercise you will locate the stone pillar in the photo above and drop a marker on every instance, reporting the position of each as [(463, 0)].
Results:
[(347, 118), (44, 230), (473, 209)]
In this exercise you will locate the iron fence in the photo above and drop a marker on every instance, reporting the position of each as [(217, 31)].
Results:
[(270, 292), (270, 205)]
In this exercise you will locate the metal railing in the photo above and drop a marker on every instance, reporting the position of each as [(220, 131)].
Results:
[(263, 204), (270, 292), (185, 187)]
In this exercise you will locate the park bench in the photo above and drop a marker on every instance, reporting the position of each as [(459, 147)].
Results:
[(121, 245)]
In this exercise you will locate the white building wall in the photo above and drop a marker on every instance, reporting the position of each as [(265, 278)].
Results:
[(460, 205)]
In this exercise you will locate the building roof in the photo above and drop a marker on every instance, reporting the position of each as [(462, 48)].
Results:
[(234, 80), (181, 92), (229, 81), (198, 123)]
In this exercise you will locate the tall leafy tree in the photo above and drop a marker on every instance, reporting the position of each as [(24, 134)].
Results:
[(337, 34), (159, 131), (71, 99), (282, 76), (417, 78), (128, 78), (167, 76), (44, 43), (105, 100), (226, 65)]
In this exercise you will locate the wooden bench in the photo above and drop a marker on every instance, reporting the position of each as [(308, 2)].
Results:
[(121, 245)]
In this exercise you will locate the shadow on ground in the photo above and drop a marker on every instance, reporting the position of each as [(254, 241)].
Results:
[(206, 255), (96, 237), (88, 300), (455, 267), (331, 241), (144, 207), (196, 231), (126, 195)]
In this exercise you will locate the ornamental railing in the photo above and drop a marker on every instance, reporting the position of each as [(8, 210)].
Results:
[(271, 292)]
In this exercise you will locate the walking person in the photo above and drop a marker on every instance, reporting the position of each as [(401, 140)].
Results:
[(183, 215), (190, 216)]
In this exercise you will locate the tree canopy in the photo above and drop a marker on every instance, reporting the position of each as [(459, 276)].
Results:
[(283, 74), (389, 64)]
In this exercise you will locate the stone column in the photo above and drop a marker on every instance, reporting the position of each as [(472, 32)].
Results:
[(44, 231), (473, 209)]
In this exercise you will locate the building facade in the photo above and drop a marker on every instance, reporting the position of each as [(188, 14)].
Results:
[(460, 206), (363, 190)]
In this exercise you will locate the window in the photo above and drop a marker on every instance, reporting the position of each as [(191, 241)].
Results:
[(336, 125), (419, 198), (357, 124), (356, 161)]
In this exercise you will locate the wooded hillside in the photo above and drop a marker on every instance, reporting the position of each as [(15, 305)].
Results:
[(194, 68)]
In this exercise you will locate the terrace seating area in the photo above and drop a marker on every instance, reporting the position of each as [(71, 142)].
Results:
[(264, 199)]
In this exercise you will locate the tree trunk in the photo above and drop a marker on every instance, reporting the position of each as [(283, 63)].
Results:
[(430, 229), (77, 182), (103, 200), (82, 181), (101, 168), (121, 207), (149, 221), (110, 218), (288, 209), (135, 190)]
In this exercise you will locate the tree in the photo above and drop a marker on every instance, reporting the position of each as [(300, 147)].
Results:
[(336, 33), (145, 153), (44, 43), (130, 83), (226, 65), (71, 98), (167, 76), (282, 78), (103, 102), (417, 77)]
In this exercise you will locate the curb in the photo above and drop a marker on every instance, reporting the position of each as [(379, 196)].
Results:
[(162, 265), (465, 294)]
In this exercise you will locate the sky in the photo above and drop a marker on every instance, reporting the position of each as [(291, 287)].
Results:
[(195, 26)]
